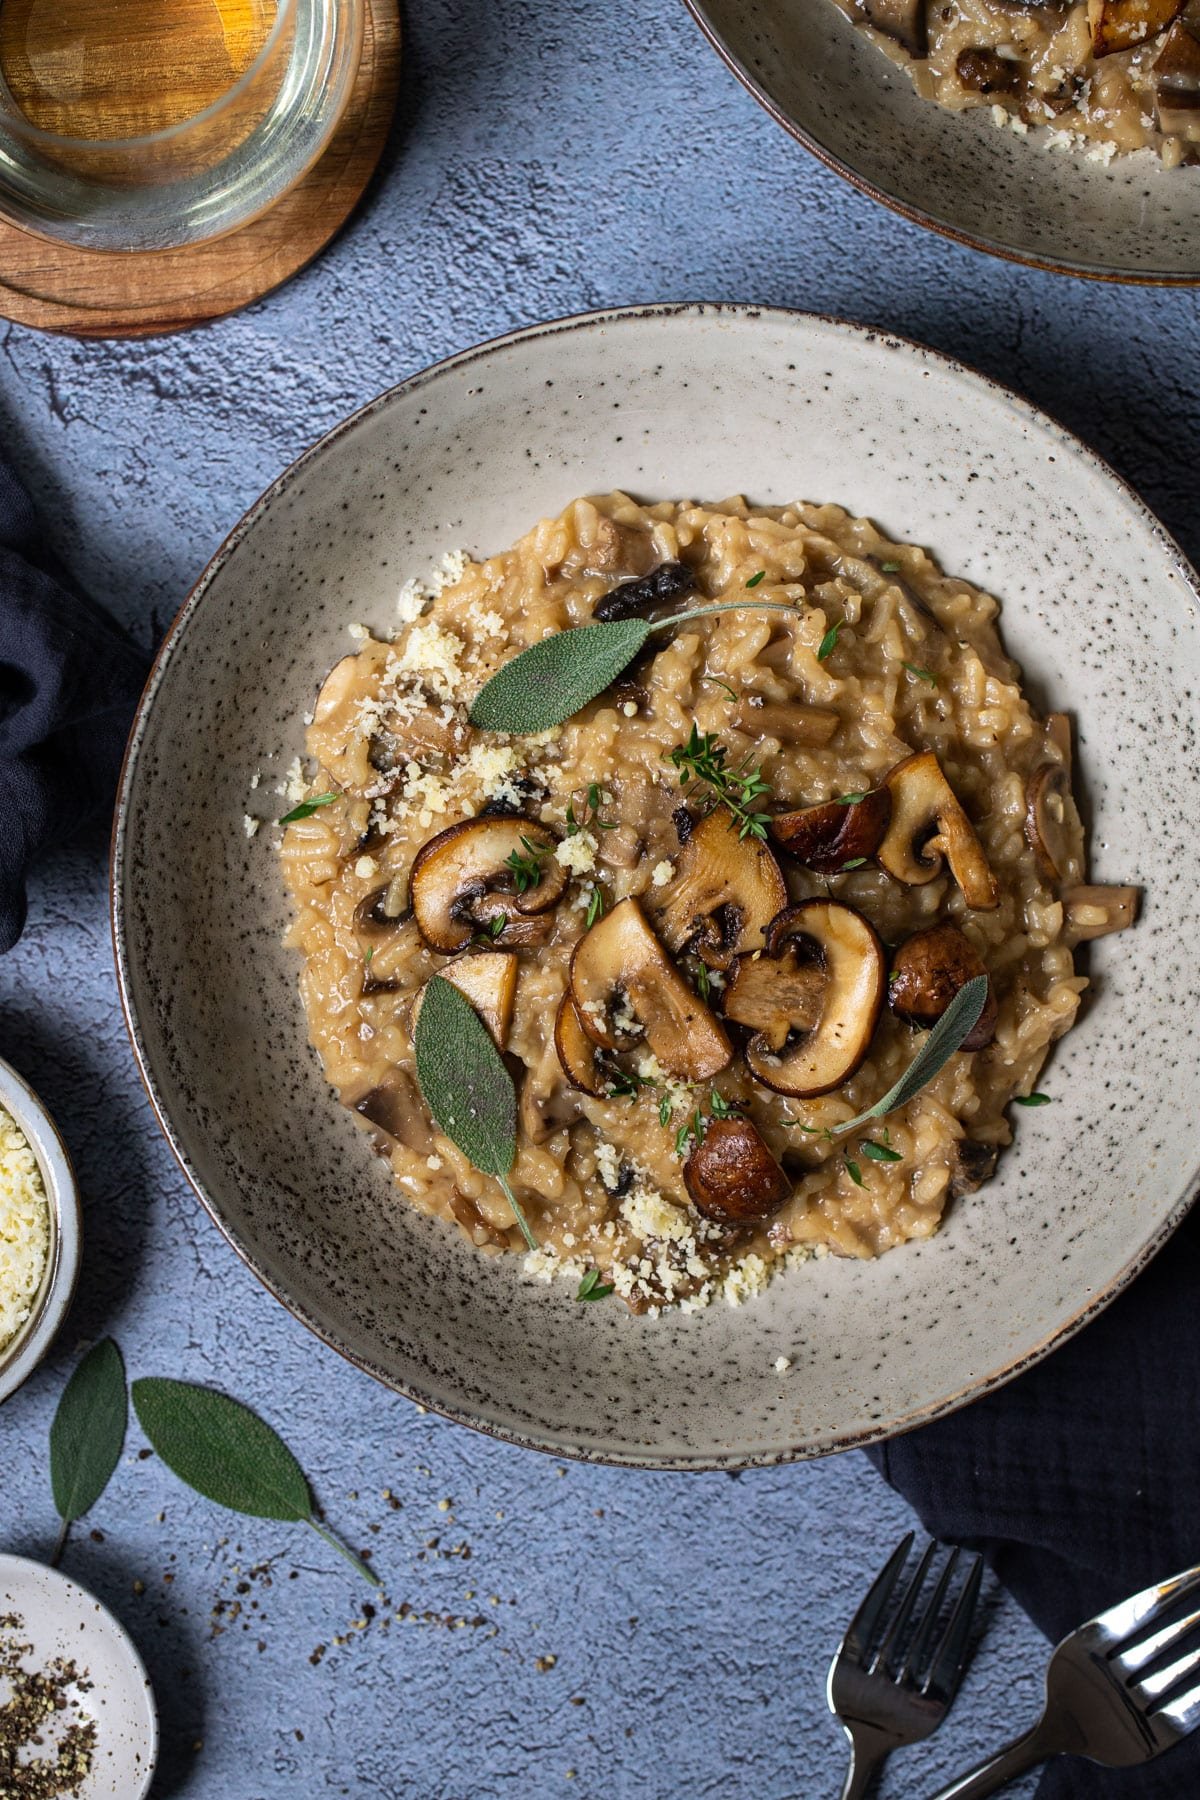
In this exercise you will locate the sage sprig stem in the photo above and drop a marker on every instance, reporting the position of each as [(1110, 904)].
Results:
[(556, 677)]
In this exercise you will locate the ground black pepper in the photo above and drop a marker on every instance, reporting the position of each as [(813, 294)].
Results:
[(35, 1699)]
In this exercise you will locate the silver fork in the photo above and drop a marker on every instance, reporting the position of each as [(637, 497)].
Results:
[(1100, 1701), (884, 1698)]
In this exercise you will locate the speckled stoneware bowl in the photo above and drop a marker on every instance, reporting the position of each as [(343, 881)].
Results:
[(668, 401), (840, 95), (22, 1354), (61, 1620)]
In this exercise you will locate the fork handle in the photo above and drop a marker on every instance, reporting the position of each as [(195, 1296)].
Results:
[(1024, 1753), (869, 1749)]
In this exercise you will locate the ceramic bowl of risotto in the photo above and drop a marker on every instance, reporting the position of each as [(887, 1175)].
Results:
[(876, 734), (1024, 131)]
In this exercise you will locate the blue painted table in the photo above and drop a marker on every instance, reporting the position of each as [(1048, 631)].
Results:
[(551, 1630)]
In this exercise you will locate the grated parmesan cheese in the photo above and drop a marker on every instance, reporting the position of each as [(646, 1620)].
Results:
[(24, 1228)]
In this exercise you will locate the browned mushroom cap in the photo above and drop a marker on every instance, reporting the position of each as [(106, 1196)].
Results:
[(725, 893), (786, 720), (1177, 81), (395, 1108), (984, 72), (621, 961), (928, 822), (577, 1053), (488, 978), (1123, 24), (1096, 911), (732, 1177), (386, 938), (463, 879), (974, 1163), (825, 838), (928, 970), (1051, 823), (903, 20), (819, 1054)]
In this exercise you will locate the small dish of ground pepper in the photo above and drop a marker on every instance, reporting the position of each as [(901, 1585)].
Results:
[(77, 1715)]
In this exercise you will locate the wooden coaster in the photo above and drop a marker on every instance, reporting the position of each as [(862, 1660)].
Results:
[(88, 293)]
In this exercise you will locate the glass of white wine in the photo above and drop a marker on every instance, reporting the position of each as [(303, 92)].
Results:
[(131, 125)]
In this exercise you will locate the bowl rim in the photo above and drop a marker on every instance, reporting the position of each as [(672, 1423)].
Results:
[(33, 1339), (601, 319), (119, 1638), (915, 214)]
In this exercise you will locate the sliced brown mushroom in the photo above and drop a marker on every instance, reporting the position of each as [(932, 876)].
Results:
[(488, 979), (984, 72), (775, 996), (386, 939), (625, 987), (825, 838), (1123, 24), (725, 893), (1176, 74), (1097, 911), (928, 970), (732, 1177), (1052, 827), (974, 1163), (903, 20), (548, 1103), (670, 581), (395, 1108), (818, 1054), (463, 879), (355, 754), (1058, 737), (578, 1054), (786, 720), (928, 823)]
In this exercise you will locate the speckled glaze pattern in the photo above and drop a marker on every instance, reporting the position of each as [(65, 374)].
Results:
[(60, 1619), (835, 90), (1100, 607)]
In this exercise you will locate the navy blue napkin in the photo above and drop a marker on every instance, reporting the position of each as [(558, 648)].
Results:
[(1080, 1482), (69, 681)]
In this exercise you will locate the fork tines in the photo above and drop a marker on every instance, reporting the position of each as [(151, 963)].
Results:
[(917, 1638)]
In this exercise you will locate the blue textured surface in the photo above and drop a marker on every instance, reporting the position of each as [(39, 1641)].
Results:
[(549, 157)]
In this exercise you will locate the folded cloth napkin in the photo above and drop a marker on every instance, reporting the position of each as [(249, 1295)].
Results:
[(69, 681), (1079, 1482)]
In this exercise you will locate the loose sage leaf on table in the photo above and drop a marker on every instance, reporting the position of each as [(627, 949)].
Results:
[(554, 678), (227, 1453), (464, 1081), (88, 1432), (956, 1023)]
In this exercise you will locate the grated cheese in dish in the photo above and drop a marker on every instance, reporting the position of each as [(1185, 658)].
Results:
[(24, 1228)]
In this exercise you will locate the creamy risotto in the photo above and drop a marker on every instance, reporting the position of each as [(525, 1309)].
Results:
[(1107, 75), (710, 917)]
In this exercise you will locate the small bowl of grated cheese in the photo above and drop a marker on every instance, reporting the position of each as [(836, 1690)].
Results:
[(39, 1230)]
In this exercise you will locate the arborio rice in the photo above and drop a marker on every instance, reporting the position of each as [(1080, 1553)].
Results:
[(877, 657)]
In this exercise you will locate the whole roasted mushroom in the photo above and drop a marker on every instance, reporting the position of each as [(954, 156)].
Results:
[(814, 1022), (725, 893), (732, 1177), (825, 838), (468, 875), (625, 987), (928, 970), (928, 824)]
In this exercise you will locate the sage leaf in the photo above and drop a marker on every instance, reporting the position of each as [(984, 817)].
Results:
[(463, 1078), (227, 1453), (87, 1434), (555, 677), (956, 1023)]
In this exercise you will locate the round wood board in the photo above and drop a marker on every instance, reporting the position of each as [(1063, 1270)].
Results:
[(87, 293)]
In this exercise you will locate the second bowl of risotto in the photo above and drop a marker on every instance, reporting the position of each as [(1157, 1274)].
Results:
[(653, 967)]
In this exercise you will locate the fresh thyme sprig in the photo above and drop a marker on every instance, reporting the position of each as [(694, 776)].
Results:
[(591, 820), (526, 868), (703, 762), (307, 808)]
